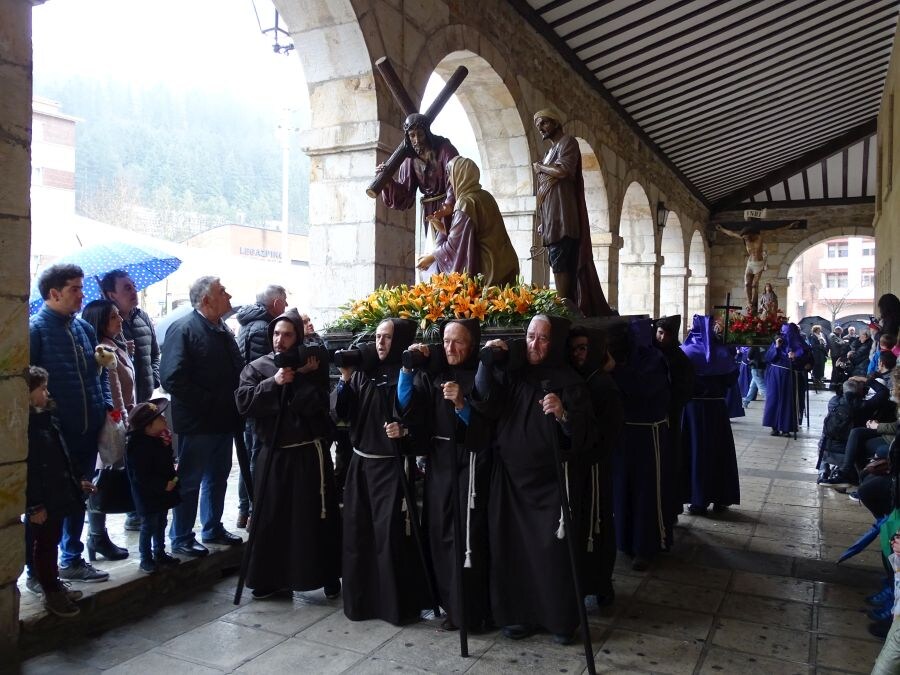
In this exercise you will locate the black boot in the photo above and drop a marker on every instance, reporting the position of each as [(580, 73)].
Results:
[(101, 543)]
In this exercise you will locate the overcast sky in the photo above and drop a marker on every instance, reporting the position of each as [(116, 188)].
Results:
[(207, 45)]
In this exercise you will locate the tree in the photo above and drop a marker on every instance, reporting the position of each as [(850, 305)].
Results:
[(835, 305)]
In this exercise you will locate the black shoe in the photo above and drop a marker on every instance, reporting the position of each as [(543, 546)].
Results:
[(191, 550), (564, 638), (264, 593), (774, 432), (640, 563), (838, 479), (224, 538), (880, 628), (165, 560), (332, 590), (147, 566), (720, 508), (100, 543), (448, 625), (697, 510), (518, 631)]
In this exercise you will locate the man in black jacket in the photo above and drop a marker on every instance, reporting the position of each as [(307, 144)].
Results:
[(200, 368), (253, 341), (139, 338), (137, 330)]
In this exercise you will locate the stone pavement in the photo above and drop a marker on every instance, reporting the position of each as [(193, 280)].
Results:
[(753, 590)]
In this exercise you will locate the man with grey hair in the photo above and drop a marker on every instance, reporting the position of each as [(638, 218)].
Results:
[(253, 341), (200, 368)]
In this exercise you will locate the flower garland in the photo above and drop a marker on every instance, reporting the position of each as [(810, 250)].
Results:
[(747, 329), (449, 296)]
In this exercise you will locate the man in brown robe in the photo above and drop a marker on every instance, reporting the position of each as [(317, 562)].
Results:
[(564, 227)]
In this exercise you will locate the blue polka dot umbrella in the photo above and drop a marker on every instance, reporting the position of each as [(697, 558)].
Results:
[(145, 265)]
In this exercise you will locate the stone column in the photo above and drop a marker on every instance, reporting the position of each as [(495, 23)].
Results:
[(15, 233), (605, 248), (698, 295), (518, 216), (673, 290), (638, 277), (355, 243)]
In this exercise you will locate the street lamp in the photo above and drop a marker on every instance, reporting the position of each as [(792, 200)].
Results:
[(662, 214), (276, 31)]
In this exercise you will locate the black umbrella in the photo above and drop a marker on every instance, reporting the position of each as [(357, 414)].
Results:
[(807, 322)]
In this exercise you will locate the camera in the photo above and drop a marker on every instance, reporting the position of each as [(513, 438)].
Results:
[(296, 357), (359, 357), (413, 359), (511, 358)]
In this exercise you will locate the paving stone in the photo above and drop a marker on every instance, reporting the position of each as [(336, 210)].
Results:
[(221, 644), (627, 649), (665, 621), (155, 662), (784, 547), (785, 588), (169, 622), (439, 649), (53, 664), (800, 536), (847, 622), (680, 596), (360, 636), (721, 661), (846, 597), (298, 654), (768, 611), (110, 649), (696, 575), (774, 641), (283, 616), (377, 666), (854, 656)]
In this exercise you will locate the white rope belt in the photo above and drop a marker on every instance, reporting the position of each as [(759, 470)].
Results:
[(318, 443), (655, 426), (470, 506), (594, 521), (404, 508), (561, 530)]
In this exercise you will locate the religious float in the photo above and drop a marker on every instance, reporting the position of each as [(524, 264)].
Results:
[(503, 311)]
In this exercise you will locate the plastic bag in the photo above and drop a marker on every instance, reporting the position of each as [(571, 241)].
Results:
[(111, 441)]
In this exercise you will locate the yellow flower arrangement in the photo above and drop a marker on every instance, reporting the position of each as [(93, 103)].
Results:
[(449, 296)]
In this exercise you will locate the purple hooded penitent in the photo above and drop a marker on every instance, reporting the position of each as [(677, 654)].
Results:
[(707, 354)]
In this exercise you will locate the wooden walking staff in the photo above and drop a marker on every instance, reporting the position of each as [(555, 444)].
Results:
[(406, 105)]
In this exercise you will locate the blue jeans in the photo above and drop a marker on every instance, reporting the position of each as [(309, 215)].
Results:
[(254, 445), (204, 462), (757, 383), (153, 531), (83, 453)]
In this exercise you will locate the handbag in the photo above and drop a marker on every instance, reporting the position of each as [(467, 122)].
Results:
[(113, 491), (111, 441)]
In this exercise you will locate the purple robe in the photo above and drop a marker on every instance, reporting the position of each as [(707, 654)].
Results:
[(785, 381), (431, 181)]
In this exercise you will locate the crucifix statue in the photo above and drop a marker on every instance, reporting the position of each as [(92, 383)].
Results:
[(753, 236), (421, 158)]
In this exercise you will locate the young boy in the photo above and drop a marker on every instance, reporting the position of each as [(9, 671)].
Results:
[(52, 493), (148, 459)]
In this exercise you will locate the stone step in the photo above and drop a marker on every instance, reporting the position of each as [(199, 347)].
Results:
[(127, 595)]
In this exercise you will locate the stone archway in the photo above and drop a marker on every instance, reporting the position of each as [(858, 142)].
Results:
[(597, 201), (673, 274), (698, 282), (638, 260)]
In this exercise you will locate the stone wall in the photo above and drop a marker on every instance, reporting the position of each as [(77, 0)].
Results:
[(15, 232), (887, 201), (729, 258)]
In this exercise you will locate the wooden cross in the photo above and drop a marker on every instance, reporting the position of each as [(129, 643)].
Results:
[(406, 105), (727, 307)]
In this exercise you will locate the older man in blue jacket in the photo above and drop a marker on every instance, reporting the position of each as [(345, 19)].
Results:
[(200, 368), (64, 345)]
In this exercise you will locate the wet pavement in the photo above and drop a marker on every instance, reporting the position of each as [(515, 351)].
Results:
[(751, 590)]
